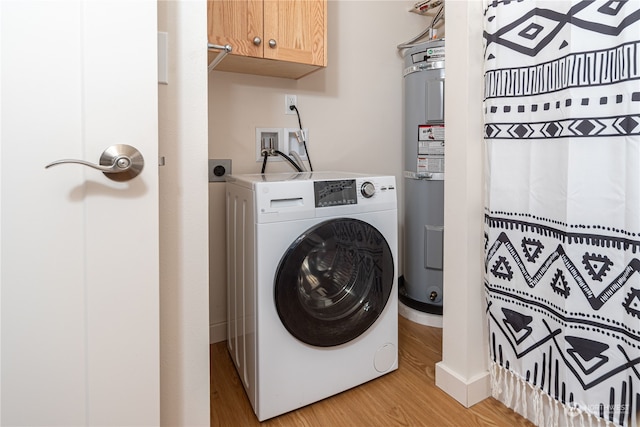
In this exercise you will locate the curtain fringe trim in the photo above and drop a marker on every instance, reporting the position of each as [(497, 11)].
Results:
[(535, 404)]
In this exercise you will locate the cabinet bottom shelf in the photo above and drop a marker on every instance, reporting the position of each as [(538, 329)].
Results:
[(263, 67)]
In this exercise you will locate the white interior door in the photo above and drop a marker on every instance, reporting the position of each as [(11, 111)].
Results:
[(79, 321)]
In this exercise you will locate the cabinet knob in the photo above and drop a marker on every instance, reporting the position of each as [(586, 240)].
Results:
[(272, 43), (257, 40)]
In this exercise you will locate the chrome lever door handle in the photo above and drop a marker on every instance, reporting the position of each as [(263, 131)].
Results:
[(119, 162)]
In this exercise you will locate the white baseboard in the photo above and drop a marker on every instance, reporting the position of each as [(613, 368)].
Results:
[(467, 392), (217, 332)]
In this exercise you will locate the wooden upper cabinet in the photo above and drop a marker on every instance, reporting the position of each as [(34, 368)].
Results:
[(236, 22), (281, 38), (298, 30)]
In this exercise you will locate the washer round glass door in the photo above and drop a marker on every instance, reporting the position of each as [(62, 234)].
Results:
[(334, 281)]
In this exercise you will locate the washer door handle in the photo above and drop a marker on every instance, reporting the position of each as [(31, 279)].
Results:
[(118, 162)]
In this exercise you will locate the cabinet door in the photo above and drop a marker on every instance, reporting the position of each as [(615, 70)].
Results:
[(238, 23), (298, 28)]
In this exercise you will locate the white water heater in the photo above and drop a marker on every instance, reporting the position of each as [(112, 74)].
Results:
[(424, 73)]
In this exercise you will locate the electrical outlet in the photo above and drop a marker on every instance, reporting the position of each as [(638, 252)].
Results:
[(290, 100), (219, 169)]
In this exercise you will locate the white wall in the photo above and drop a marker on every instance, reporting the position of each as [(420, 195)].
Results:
[(353, 110), (184, 273)]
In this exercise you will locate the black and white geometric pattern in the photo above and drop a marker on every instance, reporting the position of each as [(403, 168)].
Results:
[(593, 68), (562, 213), (566, 128), (540, 26), (567, 318)]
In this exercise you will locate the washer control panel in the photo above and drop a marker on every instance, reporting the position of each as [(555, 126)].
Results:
[(335, 193), (342, 192)]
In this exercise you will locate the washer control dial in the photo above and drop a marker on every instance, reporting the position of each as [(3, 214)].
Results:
[(367, 189)]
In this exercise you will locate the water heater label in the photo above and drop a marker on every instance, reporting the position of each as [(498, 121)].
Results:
[(435, 54), (432, 54), (432, 148), (431, 140), (430, 164), (430, 132)]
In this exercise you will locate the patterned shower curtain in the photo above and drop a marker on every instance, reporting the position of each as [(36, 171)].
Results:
[(562, 208)]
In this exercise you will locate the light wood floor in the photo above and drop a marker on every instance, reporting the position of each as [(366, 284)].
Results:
[(406, 397)]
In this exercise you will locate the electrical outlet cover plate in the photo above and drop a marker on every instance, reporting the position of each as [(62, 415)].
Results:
[(219, 169), (290, 100)]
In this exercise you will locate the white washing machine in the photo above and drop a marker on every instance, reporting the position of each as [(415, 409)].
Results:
[(312, 284)]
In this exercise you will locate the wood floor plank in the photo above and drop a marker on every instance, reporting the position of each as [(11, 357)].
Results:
[(405, 397)]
